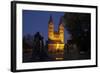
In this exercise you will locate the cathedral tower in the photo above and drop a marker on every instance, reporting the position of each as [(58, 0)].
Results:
[(61, 31), (50, 28)]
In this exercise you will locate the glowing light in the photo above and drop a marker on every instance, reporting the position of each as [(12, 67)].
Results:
[(59, 58), (57, 47)]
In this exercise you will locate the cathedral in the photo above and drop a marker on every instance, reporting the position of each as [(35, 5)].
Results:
[(56, 39)]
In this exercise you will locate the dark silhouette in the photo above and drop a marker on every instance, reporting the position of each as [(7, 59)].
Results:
[(39, 52)]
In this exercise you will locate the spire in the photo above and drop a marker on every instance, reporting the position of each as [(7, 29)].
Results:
[(61, 21), (50, 20)]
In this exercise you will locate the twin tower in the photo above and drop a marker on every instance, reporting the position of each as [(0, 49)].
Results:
[(56, 38)]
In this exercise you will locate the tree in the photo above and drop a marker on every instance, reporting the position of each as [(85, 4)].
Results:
[(78, 25)]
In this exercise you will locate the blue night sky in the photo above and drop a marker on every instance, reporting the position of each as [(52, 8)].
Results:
[(37, 21)]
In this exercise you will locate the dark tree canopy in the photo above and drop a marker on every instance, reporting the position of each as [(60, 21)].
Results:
[(78, 25)]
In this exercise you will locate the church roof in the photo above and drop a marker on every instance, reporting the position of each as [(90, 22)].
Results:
[(61, 21), (50, 20), (56, 32)]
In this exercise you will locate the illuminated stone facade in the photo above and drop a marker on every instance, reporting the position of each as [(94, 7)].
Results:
[(56, 39)]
